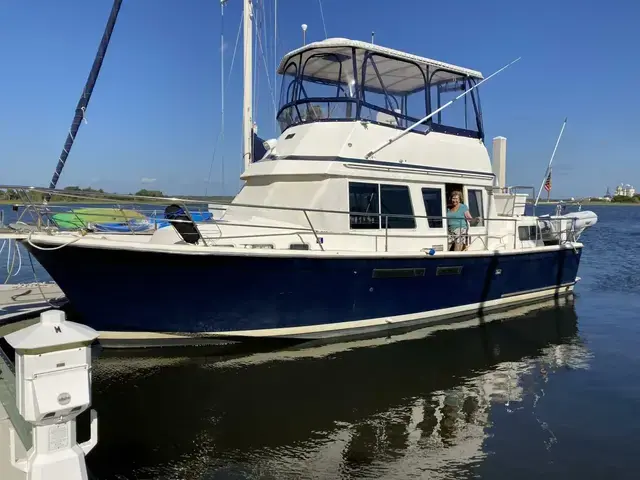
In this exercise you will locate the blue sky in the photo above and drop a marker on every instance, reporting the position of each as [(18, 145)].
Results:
[(154, 116)]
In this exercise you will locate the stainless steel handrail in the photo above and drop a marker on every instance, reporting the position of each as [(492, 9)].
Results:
[(39, 208)]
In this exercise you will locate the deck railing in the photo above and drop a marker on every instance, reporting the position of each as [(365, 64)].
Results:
[(43, 216)]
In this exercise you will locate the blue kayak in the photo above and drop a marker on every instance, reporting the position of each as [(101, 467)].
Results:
[(146, 224)]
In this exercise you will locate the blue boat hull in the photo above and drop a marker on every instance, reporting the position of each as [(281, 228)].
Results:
[(119, 290)]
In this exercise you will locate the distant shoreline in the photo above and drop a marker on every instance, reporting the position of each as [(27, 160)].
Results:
[(629, 204), (598, 204), (18, 202), (111, 202)]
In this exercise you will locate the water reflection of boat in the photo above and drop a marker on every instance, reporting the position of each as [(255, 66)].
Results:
[(379, 409)]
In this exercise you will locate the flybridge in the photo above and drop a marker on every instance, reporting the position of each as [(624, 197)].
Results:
[(344, 80)]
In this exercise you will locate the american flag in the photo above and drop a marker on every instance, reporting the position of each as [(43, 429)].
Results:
[(547, 183)]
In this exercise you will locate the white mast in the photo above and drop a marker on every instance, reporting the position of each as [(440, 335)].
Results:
[(222, 4), (275, 60), (247, 112)]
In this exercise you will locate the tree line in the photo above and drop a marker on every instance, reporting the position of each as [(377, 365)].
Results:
[(35, 196), (625, 199)]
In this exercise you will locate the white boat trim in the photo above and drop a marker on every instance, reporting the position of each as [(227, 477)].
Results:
[(181, 249)]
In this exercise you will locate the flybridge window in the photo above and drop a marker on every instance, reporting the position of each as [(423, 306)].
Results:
[(324, 90), (461, 117), (288, 89), (290, 114), (393, 92), (373, 206)]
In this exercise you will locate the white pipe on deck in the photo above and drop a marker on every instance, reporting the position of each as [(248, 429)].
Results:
[(499, 161)]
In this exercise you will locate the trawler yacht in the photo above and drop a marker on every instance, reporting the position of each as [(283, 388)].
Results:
[(344, 226)]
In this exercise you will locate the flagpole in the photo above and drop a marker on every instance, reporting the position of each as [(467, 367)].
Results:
[(546, 173)]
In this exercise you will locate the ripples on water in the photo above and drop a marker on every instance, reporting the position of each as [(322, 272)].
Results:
[(549, 392), (401, 407)]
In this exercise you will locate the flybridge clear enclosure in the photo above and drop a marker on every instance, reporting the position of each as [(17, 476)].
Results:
[(343, 83)]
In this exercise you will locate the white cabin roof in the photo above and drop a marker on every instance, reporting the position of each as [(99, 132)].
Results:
[(398, 76)]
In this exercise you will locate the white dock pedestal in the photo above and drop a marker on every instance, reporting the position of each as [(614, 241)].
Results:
[(53, 387), (7, 471)]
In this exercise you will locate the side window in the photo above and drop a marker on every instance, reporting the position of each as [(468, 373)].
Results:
[(363, 199), (395, 200), (530, 232), (475, 207), (432, 198)]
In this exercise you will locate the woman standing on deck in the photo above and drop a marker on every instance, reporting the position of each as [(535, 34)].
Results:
[(458, 217)]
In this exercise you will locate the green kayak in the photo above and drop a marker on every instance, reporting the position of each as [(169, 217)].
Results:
[(81, 217)]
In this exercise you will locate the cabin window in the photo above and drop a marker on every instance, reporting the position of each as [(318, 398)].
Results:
[(432, 198), (529, 232), (395, 200), (475, 206), (364, 205), (373, 206)]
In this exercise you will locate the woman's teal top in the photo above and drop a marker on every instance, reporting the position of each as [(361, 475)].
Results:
[(457, 219)]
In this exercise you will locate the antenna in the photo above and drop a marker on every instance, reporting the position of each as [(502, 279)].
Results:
[(373, 37), (304, 34), (419, 122)]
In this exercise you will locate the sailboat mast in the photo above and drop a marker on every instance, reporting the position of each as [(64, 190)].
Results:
[(247, 112), (86, 93)]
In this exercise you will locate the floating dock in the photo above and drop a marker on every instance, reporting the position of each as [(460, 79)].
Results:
[(10, 418), (18, 301)]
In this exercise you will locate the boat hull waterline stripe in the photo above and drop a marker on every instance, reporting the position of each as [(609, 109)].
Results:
[(348, 328)]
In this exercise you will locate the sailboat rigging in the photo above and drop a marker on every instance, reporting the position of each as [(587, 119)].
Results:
[(83, 103)]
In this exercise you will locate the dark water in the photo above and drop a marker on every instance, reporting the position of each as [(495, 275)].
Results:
[(551, 392)]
